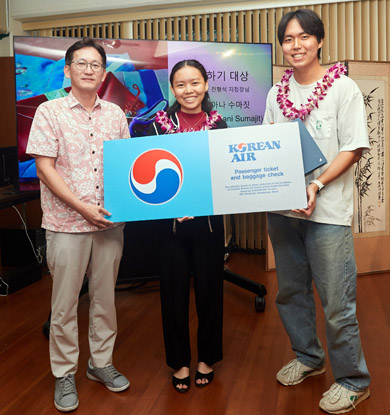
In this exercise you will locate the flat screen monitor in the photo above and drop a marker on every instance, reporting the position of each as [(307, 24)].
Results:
[(239, 77)]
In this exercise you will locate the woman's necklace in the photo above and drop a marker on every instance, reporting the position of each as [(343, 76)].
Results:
[(167, 125), (320, 91), (191, 127)]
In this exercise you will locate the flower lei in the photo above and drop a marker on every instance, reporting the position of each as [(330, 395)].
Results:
[(320, 91), (168, 126)]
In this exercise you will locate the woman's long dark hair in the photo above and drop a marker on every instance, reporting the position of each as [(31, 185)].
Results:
[(207, 105)]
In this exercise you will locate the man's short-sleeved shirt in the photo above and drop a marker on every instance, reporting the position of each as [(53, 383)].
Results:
[(65, 130)]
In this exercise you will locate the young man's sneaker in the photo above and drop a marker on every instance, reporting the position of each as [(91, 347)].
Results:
[(108, 375), (338, 400), (295, 372), (65, 394)]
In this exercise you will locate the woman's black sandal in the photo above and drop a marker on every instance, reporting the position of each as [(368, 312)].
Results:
[(199, 376), (185, 381)]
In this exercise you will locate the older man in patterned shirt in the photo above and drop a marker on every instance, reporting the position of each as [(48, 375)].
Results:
[(66, 140)]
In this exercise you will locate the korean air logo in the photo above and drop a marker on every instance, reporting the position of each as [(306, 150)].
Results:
[(156, 177), (242, 146)]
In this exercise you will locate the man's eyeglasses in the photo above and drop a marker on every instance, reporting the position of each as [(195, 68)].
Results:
[(82, 65)]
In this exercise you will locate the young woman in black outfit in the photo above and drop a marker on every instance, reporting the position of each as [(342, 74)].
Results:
[(191, 244)]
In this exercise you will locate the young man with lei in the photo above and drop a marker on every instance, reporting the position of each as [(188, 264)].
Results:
[(315, 244)]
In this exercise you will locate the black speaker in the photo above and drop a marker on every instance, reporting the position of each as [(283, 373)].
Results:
[(17, 250), (15, 278), (20, 266)]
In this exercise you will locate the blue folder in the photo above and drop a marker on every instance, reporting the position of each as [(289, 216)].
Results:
[(311, 153)]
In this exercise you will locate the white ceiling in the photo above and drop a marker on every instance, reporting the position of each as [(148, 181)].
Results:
[(24, 10)]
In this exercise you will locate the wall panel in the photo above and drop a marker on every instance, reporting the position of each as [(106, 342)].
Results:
[(358, 30), (382, 8), (374, 26), (256, 26), (233, 28), (365, 30), (325, 55)]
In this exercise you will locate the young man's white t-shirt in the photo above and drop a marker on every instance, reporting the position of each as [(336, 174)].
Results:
[(338, 124)]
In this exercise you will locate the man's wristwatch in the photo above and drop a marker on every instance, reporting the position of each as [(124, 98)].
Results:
[(319, 184)]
